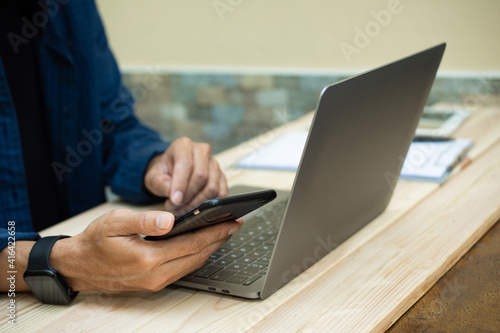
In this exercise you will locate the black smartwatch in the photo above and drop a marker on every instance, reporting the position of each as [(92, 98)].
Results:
[(45, 283)]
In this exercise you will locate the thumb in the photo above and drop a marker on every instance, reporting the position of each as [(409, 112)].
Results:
[(123, 222)]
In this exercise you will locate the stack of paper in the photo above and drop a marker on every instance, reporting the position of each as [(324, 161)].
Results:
[(430, 161), (434, 160)]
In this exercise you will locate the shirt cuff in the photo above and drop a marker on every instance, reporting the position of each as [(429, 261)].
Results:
[(130, 184), (5, 237)]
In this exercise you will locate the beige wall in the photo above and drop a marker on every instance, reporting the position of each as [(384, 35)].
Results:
[(303, 34)]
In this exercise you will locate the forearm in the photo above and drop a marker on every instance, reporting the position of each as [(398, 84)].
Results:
[(22, 250)]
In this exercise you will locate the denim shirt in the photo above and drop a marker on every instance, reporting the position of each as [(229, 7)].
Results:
[(94, 136)]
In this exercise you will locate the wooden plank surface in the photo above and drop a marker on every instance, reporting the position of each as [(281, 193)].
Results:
[(365, 284), (466, 298)]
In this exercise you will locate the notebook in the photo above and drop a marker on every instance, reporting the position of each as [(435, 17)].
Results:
[(362, 129)]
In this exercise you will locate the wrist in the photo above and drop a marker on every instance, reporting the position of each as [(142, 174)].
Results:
[(23, 249), (44, 281), (65, 258)]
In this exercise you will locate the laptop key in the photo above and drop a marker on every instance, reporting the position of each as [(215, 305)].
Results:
[(252, 280), (224, 262), (265, 248), (246, 260), (257, 266), (223, 249), (263, 238), (232, 244), (209, 271), (262, 260), (237, 279), (241, 238), (248, 272), (256, 254), (247, 233), (253, 243), (216, 256), (223, 275), (271, 232), (234, 256), (243, 249), (236, 266)]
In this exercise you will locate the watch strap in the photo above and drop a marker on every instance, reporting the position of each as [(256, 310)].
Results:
[(56, 291), (40, 252)]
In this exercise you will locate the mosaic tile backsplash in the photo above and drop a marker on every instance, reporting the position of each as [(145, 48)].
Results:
[(227, 109)]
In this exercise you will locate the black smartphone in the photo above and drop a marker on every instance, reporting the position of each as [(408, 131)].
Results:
[(218, 210)]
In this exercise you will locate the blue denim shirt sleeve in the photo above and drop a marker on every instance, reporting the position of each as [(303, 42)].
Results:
[(128, 150), (5, 237), (82, 87), (130, 145)]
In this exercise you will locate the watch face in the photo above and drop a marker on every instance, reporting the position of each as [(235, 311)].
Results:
[(47, 288)]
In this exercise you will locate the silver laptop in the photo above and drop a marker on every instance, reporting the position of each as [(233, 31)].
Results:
[(362, 130)]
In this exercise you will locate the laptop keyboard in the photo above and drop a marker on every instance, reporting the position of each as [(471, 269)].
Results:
[(244, 258)]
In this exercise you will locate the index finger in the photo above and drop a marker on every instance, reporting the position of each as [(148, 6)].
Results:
[(183, 167)]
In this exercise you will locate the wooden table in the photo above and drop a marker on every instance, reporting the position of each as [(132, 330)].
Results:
[(466, 298), (365, 284)]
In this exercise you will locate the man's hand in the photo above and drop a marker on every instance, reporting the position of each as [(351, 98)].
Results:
[(186, 174), (111, 256)]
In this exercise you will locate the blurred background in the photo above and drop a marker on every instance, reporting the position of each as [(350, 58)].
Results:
[(223, 71)]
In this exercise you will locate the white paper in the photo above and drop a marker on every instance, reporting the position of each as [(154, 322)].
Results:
[(431, 161), (434, 160), (283, 153)]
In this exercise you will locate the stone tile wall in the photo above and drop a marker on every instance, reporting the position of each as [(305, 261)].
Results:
[(227, 109)]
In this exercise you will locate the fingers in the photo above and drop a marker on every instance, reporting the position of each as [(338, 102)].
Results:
[(159, 182), (222, 185), (201, 180), (157, 179), (186, 174), (211, 189), (177, 268), (191, 171), (188, 252), (124, 222), (202, 172), (195, 243)]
